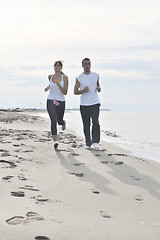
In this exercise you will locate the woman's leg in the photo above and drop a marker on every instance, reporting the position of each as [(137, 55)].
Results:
[(60, 112), (51, 108)]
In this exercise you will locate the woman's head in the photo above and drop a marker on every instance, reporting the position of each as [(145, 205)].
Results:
[(58, 65)]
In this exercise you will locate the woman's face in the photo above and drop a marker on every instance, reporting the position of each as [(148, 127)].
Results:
[(57, 67)]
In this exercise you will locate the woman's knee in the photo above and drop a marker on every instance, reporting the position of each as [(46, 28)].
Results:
[(60, 122)]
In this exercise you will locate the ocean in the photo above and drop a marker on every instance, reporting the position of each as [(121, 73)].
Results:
[(138, 132)]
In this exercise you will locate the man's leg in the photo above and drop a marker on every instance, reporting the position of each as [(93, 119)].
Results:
[(85, 114), (95, 124)]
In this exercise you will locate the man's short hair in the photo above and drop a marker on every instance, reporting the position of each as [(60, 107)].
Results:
[(85, 59)]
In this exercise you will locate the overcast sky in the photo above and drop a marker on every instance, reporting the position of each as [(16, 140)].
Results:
[(121, 37)]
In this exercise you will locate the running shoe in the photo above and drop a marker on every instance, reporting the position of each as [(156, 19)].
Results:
[(96, 146), (64, 125), (87, 147), (55, 145)]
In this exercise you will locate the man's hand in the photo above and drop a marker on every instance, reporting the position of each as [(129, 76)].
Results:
[(98, 89), (86, 89)]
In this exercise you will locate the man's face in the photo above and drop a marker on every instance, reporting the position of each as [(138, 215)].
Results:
[(86, 65)]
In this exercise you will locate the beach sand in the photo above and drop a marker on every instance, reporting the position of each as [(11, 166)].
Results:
[(72, 193)]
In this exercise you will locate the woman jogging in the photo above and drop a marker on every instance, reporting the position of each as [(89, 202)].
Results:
[(58, 86)]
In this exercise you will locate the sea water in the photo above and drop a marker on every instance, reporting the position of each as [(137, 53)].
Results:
[(138, 132)]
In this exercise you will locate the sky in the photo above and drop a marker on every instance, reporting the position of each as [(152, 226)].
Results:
[(121, 37)]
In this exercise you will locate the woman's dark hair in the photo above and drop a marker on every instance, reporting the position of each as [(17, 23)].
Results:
[(60, 63)]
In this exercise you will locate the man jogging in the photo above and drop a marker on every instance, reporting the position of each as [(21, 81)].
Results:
[(87, 84)]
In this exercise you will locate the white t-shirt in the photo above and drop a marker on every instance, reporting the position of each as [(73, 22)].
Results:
[(90, 81), (55, 92)]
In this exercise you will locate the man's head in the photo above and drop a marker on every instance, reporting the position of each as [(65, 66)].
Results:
[(86, 64)]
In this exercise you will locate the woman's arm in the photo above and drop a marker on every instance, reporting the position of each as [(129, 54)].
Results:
[(48, 87), (64, 89)]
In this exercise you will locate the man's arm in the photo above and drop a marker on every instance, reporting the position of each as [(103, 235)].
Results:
[(77, 86), (98, 86)]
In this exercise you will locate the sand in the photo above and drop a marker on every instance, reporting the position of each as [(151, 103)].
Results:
[(72, 193)]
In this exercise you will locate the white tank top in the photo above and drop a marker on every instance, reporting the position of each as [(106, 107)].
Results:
[(55, 92), (90, 80)]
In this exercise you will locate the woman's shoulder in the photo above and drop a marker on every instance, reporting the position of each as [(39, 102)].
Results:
[(49, 76), (65, 77)]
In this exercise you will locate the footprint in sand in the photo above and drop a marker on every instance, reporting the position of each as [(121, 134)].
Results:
[(27, 187), (139, 198), (15, 220), (105, 214), (17, 151), (7, 178), (74, 145), (12, 165), (5, 154), (16, 145), (21, 177), (119, 163), (19, 138), (118, 154), (43, 140), (97, 155), (5, 142), (77, 174), (95, 191), (32, 216), (21, 158), (18, 194), (41, 200), (135, 178), (75, 154), (25, 151), (105, 162), (42, 238), (77, 164), (63, 150)]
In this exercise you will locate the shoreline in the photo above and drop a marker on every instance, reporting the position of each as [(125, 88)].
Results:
[(72, 193), (111, 136)]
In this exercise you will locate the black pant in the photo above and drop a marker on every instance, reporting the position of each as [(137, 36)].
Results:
[(88, 113), (56, 114)]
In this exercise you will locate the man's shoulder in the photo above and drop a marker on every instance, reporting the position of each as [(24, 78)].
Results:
[(80, 75), (95, 74)]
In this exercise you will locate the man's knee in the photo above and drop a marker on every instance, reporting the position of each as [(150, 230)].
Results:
[(95, 122)]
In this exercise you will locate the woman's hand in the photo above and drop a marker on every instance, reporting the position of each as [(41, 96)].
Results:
[(47, 88), (58, 84)]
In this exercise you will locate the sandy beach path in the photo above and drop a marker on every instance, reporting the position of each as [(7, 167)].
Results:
[(72, 193)]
